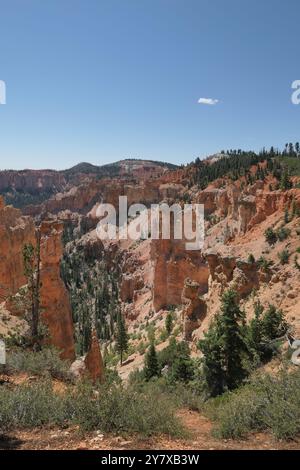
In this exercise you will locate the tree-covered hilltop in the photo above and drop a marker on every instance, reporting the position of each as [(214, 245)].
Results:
[(237, 163)]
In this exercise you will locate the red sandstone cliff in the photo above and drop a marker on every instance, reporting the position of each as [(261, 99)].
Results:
[(15, 231), (93, 360), (55, 304)]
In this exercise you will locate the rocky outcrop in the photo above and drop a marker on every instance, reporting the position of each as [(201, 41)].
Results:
[(245, 208), (15, 231), (172, 264), (93, 360), (130, 283), (54, 298), (194, 308), (230, 272)]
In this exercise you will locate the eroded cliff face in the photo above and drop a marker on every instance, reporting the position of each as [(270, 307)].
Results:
[(16, 231), (243, 208), (93, 361), (55, 303), (172, 264), (32, 180), (194, 308)]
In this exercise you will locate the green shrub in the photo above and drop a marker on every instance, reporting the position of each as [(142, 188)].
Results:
[(264, 263), (114, 409), (270, 236), (267, 403), (284, 256), (251, 259), (169, 323), (46, 361), (283, 233), (141, 348), (28, 406), (163, 335)]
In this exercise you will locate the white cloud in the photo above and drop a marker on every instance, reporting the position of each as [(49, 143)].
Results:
[(209, 101)]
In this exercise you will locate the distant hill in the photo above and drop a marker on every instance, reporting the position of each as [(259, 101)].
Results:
[(25, 187), (117, 168)]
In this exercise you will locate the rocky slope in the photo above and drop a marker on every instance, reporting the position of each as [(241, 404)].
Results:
[(161, 275)]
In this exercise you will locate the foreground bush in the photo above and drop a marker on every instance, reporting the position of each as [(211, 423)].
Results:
[(46, 361), (28, 406), (111, 409), (267, 403)]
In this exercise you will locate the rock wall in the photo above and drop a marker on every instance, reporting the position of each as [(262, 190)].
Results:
[(55, 303), (15, 231), (172, 264), (194, 308), (32, 180), (93, 361)]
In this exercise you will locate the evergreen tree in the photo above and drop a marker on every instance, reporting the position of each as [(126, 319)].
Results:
[(224, 347), (255, 334), (251, 258), (151, 368), (285, 182), (169, 323), (273, 324), (270, 236), (121, 337), (286, 216)]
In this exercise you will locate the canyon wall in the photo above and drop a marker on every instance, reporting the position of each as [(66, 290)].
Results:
[(16, 231), (55, 303)]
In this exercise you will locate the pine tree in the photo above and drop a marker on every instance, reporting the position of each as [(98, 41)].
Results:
[(255, 332), (151, 368), (224, 347), (270, 236), (285, 182), (169, 323), (121, 337), (273, 323)]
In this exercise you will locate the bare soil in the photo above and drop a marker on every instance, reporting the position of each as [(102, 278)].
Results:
[(200, 439)]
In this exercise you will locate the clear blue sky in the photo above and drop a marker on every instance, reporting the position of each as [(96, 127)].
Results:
[(101, 80)]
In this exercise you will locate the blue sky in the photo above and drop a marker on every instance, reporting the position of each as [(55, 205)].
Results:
[(101, 80)]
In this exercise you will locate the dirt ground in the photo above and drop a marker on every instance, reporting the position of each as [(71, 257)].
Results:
[(198, 426)]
